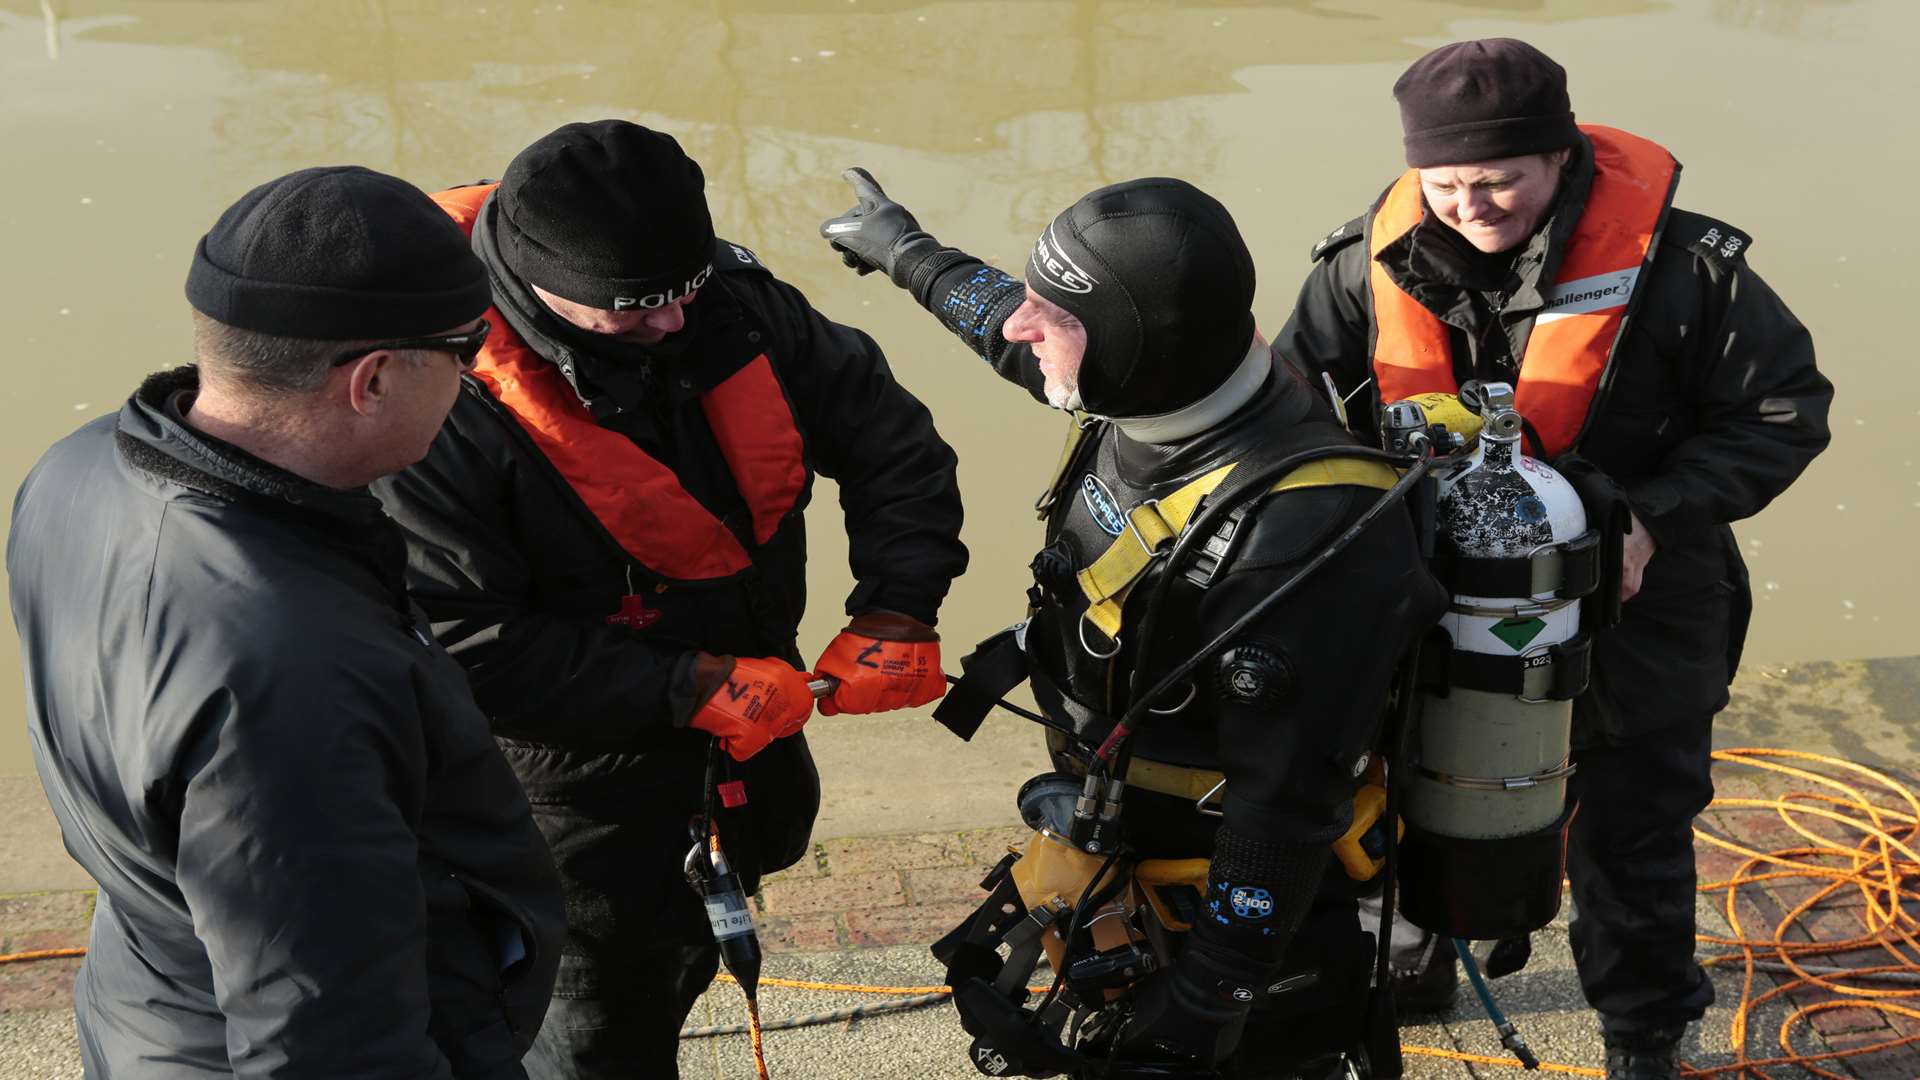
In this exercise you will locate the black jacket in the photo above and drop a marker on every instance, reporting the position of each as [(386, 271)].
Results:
[(1712, 407), (520, 578), (312, 860)]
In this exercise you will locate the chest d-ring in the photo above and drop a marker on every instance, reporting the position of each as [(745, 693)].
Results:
[(1193, 689), (1090, 649)]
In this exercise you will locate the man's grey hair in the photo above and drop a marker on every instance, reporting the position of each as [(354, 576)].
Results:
[(268, 363)]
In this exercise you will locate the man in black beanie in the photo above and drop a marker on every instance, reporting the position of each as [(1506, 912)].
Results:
[(1656, 369), (609, 535), (1135, 314), (313, 861)]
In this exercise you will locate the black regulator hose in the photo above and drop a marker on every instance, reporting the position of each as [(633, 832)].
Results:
[(1138, 708)]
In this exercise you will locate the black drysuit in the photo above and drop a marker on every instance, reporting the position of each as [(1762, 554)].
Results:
[(312, 860), (1286, 712), (521, 578), (1712, 406)]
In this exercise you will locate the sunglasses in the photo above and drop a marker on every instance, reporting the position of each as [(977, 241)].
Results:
[(464, 346)]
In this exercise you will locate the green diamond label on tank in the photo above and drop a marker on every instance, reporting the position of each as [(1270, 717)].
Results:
[(1517, 633)]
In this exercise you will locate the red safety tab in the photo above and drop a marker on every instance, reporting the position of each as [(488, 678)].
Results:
[(733, 794), (634, 614)]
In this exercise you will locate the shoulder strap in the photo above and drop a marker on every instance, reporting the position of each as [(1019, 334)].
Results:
[(1155, 524), (1338, 238), (1078, 439)]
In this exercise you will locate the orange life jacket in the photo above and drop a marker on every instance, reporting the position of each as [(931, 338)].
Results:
[(1575, 334), (639, 500)]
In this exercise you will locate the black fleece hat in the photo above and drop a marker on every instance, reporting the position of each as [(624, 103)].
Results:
[(1480, 100), (607, 214), (337, 254), (1157, 271)]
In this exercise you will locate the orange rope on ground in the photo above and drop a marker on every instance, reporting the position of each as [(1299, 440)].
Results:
[(758, 1041), (1880, 869), (40, 954)]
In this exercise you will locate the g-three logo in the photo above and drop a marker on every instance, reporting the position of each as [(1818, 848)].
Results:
[(1058, 268), (662, 299), (1101, 505)]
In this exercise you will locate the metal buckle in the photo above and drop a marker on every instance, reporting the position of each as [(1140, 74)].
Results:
[(1089, 649), (1539, 555), (1549, 668), (1152, 553), (1200, 803), (1499, 783), (1530, 610)]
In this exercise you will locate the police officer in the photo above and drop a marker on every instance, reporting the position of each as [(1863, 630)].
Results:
[(1658, 371), (609, 534), (1135, 315)]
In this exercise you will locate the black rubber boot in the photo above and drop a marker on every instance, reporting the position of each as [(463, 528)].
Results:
[(1644, 1055)]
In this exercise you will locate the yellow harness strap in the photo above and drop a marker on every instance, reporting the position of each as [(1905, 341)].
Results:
[(1076, 434), (1155, 524)]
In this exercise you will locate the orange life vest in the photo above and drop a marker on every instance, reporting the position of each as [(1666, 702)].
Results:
[(1577, 330), (639, 500)]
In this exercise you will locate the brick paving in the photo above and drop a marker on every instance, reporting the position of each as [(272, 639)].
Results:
[(887, 891)]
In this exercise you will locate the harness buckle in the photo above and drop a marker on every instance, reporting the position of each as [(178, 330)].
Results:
[(1153, 553)]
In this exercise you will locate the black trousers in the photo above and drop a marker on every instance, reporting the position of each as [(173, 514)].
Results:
[(1630, 861), (639, 951), (638, 954)]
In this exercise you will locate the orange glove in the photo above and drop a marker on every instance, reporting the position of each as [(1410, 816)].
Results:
[(883, 660), (757, 701)]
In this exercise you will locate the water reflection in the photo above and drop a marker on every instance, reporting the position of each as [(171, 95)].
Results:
[(1044, 98), (131, 124)]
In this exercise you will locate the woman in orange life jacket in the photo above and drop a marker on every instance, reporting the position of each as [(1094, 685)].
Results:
[(1659, 372), (608, 534), (1136, 314)]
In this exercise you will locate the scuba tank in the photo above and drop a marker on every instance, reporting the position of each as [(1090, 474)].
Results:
[(1486, 811)]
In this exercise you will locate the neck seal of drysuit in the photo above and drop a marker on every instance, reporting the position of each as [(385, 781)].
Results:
[(1210, 411)]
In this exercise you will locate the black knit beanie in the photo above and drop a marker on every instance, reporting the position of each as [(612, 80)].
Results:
[(1481, 100), (337, 254), (1157, 271), (609, 214)]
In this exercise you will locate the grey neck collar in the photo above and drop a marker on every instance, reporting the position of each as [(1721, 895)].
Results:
[(1225, 400)]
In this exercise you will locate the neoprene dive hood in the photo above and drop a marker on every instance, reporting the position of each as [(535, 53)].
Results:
[(1157, 271)]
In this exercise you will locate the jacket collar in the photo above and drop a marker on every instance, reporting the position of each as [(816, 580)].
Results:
[(1428, 264), (154, 439)]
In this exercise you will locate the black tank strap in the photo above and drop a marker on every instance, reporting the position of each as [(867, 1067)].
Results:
[(1558, 672), (1576, 574)]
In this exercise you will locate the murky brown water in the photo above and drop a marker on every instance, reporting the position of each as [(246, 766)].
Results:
[(128, 125)]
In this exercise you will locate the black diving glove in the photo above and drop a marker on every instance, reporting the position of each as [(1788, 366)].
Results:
[(880, 234), (1196, 1009)]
